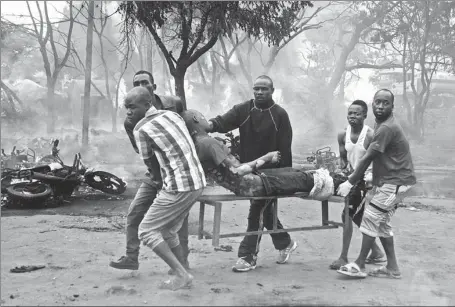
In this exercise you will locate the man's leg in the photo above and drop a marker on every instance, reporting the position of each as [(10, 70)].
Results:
[(346, 241), (159, 228), (183, 237), (139, 206), (367, 243), (282, 240), (247, 250)]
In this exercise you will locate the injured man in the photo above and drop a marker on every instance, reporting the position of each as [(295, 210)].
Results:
[(254, 178)]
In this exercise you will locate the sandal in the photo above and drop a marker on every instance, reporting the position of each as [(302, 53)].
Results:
[(383, 271), (352, 270)]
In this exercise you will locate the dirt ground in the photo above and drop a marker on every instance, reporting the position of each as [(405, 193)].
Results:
[(75, 242)]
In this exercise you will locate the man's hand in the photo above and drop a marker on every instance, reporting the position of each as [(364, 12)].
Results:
[(210, 126), (344, 188)]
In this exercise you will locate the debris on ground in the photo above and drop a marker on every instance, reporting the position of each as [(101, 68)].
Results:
[(27, 268), (224, 248)]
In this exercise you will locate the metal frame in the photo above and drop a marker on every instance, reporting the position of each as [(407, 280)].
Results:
[(216, 202)]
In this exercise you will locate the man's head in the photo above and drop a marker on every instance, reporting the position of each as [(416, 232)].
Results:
[(263, 89), (145, 79), (195, 122), (383, 104), (137, 103), (357, 113)]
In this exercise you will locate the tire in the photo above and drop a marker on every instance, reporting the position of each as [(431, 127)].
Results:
[(28, 191), (105, 182)]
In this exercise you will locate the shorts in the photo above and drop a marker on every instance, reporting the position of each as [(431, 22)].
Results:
[(381, 204), (355, 202), (165, 217)]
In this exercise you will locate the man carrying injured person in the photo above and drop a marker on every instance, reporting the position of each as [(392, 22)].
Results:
[(244, 179), (353, 142), (393, 179)]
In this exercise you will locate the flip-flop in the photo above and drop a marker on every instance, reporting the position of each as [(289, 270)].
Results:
[(352, 270), (337, 264), (383, 271), (375, 260), (26, 268)]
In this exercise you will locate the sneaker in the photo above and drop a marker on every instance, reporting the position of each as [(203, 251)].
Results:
[(125, 263), (286, 253), (244, 266)]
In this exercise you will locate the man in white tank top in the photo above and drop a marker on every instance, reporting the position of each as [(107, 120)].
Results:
[(353, 143)]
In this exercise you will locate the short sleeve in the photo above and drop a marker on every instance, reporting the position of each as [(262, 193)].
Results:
[(218, 152), (381, 139)]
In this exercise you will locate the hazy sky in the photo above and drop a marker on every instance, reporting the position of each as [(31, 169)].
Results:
[(9, 8), (361, 89)]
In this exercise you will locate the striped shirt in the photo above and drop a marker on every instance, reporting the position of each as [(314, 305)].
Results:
[(163, 135)]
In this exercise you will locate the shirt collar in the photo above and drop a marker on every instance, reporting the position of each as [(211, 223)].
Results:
[(151, 111)]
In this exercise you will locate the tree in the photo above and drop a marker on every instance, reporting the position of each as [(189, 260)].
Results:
[(88, 74), (332, 55), (420, 33), (43, 31), (194, 27)]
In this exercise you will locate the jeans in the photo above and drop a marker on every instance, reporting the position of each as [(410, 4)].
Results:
[(144, 198), (280, 240)]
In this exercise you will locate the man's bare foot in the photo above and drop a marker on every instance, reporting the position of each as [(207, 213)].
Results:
[(337, 264), (177, 283)]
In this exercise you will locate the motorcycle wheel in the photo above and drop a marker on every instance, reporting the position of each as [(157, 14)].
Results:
[(105, 182), (29, 191)]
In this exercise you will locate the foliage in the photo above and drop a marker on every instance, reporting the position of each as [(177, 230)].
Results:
[(192, 28), (420, 33)]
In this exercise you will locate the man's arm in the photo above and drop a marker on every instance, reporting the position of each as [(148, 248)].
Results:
[(247, 168), (147, 155), (343, 151), (129, 131), (285, 140), (229, 121), (219, 154), (381, 139)]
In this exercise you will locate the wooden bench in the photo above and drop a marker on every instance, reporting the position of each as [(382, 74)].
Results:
[(216, 202)]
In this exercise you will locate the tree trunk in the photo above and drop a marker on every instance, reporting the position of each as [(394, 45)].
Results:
[(213, 100), (50, 105), (179, 79), (272, 57), (149, 58), (10, 92), (88, 74)]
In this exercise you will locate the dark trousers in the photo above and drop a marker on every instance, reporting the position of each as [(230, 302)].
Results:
[(280, 240), (144, 198)]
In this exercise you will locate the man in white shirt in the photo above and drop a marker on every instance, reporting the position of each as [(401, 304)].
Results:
[(353, 143)]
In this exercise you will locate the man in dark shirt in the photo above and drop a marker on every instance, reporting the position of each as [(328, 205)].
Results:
[(393, 177), (149, 188), (264, 127)]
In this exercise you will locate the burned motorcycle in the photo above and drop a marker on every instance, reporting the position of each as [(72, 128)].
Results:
[(324, 158), (51, 177)]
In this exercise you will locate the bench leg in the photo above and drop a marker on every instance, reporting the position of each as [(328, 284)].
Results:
[(200, 233), (216, 225), (325, 212)]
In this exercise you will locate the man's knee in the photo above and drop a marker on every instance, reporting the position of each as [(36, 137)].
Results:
[(150, 238), (172, 240)]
